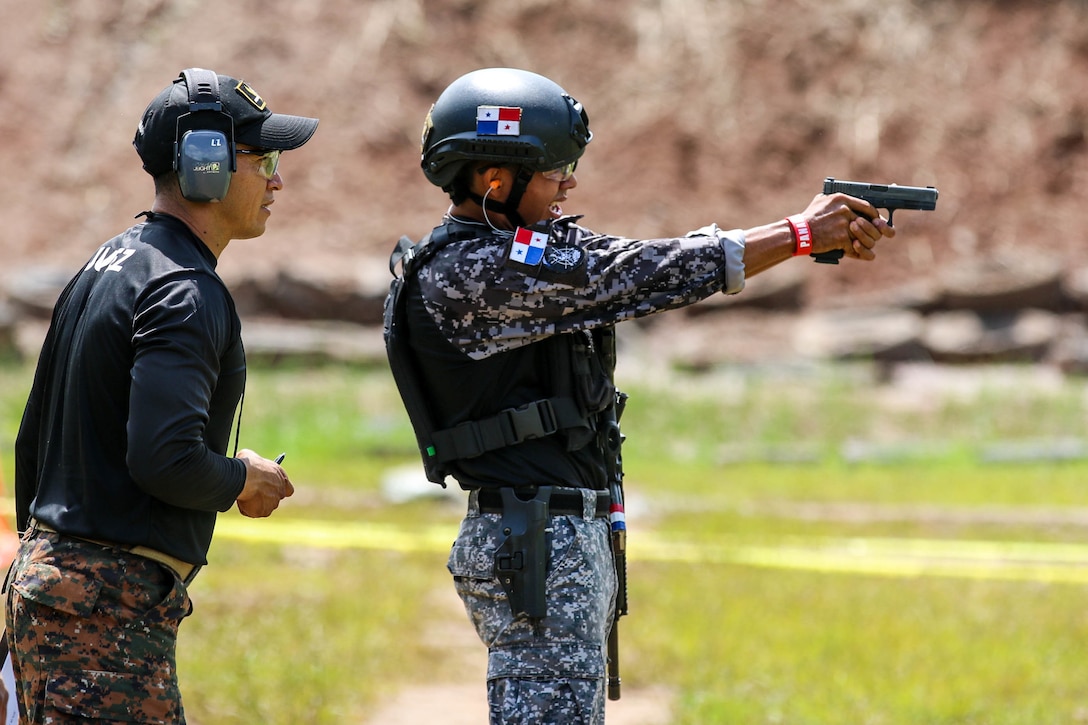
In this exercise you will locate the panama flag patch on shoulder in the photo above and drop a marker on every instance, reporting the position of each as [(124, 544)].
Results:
[(528, 246), (498, 121)]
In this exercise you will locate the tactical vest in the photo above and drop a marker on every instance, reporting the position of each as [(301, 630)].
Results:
[(581, 408)]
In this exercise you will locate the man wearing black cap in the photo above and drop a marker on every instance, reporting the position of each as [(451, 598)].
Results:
[(122, 456)]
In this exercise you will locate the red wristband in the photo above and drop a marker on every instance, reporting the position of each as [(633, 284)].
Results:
[(802, 235)]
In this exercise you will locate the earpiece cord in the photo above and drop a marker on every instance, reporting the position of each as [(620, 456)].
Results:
[(483, 205)]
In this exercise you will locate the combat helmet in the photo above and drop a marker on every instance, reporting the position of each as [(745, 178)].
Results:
[(504, 115)]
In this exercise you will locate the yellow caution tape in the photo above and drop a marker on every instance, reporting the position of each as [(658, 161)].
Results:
[(896, 557)]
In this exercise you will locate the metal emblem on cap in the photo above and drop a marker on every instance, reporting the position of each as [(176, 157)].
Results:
[(246, 91)]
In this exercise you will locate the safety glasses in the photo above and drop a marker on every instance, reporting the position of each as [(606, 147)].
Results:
[(269, 160), (561, 174)]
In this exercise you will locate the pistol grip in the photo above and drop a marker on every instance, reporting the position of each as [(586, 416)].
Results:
[(831, 257), (521, 560)]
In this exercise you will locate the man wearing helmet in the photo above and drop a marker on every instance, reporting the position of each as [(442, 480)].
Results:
[(500, 334)]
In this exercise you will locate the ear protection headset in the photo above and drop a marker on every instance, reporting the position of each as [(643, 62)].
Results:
[(204, 141)]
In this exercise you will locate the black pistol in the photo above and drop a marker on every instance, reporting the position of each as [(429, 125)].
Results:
[(882, 196)]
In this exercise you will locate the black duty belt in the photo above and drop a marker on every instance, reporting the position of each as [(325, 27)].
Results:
[(563, 502)]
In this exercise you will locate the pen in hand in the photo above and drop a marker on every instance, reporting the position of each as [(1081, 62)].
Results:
[(280, 457)]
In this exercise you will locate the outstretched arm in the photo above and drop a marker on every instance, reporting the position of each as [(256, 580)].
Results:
[(835, 221)]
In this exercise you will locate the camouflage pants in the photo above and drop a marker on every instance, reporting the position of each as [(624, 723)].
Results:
[(92, 633), (553, 673)]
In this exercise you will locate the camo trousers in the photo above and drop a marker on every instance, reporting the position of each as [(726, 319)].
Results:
[(92, 632), (553, 673)]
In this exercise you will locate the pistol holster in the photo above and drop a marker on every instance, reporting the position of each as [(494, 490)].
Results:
[(521, 561)]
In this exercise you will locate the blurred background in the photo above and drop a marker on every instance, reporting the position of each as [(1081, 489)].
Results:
[(702, 111)]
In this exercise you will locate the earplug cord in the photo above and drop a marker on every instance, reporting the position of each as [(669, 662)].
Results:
[(494, 186)]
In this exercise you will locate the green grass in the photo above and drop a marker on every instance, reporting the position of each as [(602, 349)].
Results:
[(286, 635), (773, 573), (794, 647)]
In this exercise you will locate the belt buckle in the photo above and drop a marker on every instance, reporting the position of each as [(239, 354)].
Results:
[(191, 575), (532, 420)]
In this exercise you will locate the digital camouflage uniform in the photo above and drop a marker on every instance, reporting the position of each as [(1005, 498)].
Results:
[(484, 302), (488, 306), (553, 673), (97, 628)]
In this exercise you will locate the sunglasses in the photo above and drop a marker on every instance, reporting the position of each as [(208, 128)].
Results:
[(269, 160), (561, 174)]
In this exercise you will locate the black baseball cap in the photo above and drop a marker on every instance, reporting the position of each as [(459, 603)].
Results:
[(254, 123)]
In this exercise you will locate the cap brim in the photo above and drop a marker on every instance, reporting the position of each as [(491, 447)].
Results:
[(278, 131)]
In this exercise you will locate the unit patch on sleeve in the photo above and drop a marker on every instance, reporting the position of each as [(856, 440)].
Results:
[(563, 260), (550, 253)]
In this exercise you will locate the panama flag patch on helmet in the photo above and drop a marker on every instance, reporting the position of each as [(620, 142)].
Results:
[(498, 121), (528, 246)]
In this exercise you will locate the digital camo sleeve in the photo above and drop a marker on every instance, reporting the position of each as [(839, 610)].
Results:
[(497, 293), (732, 242)]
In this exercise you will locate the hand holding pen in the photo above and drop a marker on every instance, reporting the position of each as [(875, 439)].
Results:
[(265, 485)]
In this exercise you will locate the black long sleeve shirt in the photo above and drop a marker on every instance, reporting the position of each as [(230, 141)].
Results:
[(126, 428)]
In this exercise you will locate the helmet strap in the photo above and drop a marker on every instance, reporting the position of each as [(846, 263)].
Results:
[(513, 201)]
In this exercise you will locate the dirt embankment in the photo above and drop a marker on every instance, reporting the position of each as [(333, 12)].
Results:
[(732, 112)]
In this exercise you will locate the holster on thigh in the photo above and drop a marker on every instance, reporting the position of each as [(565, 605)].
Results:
[(521, 561)]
